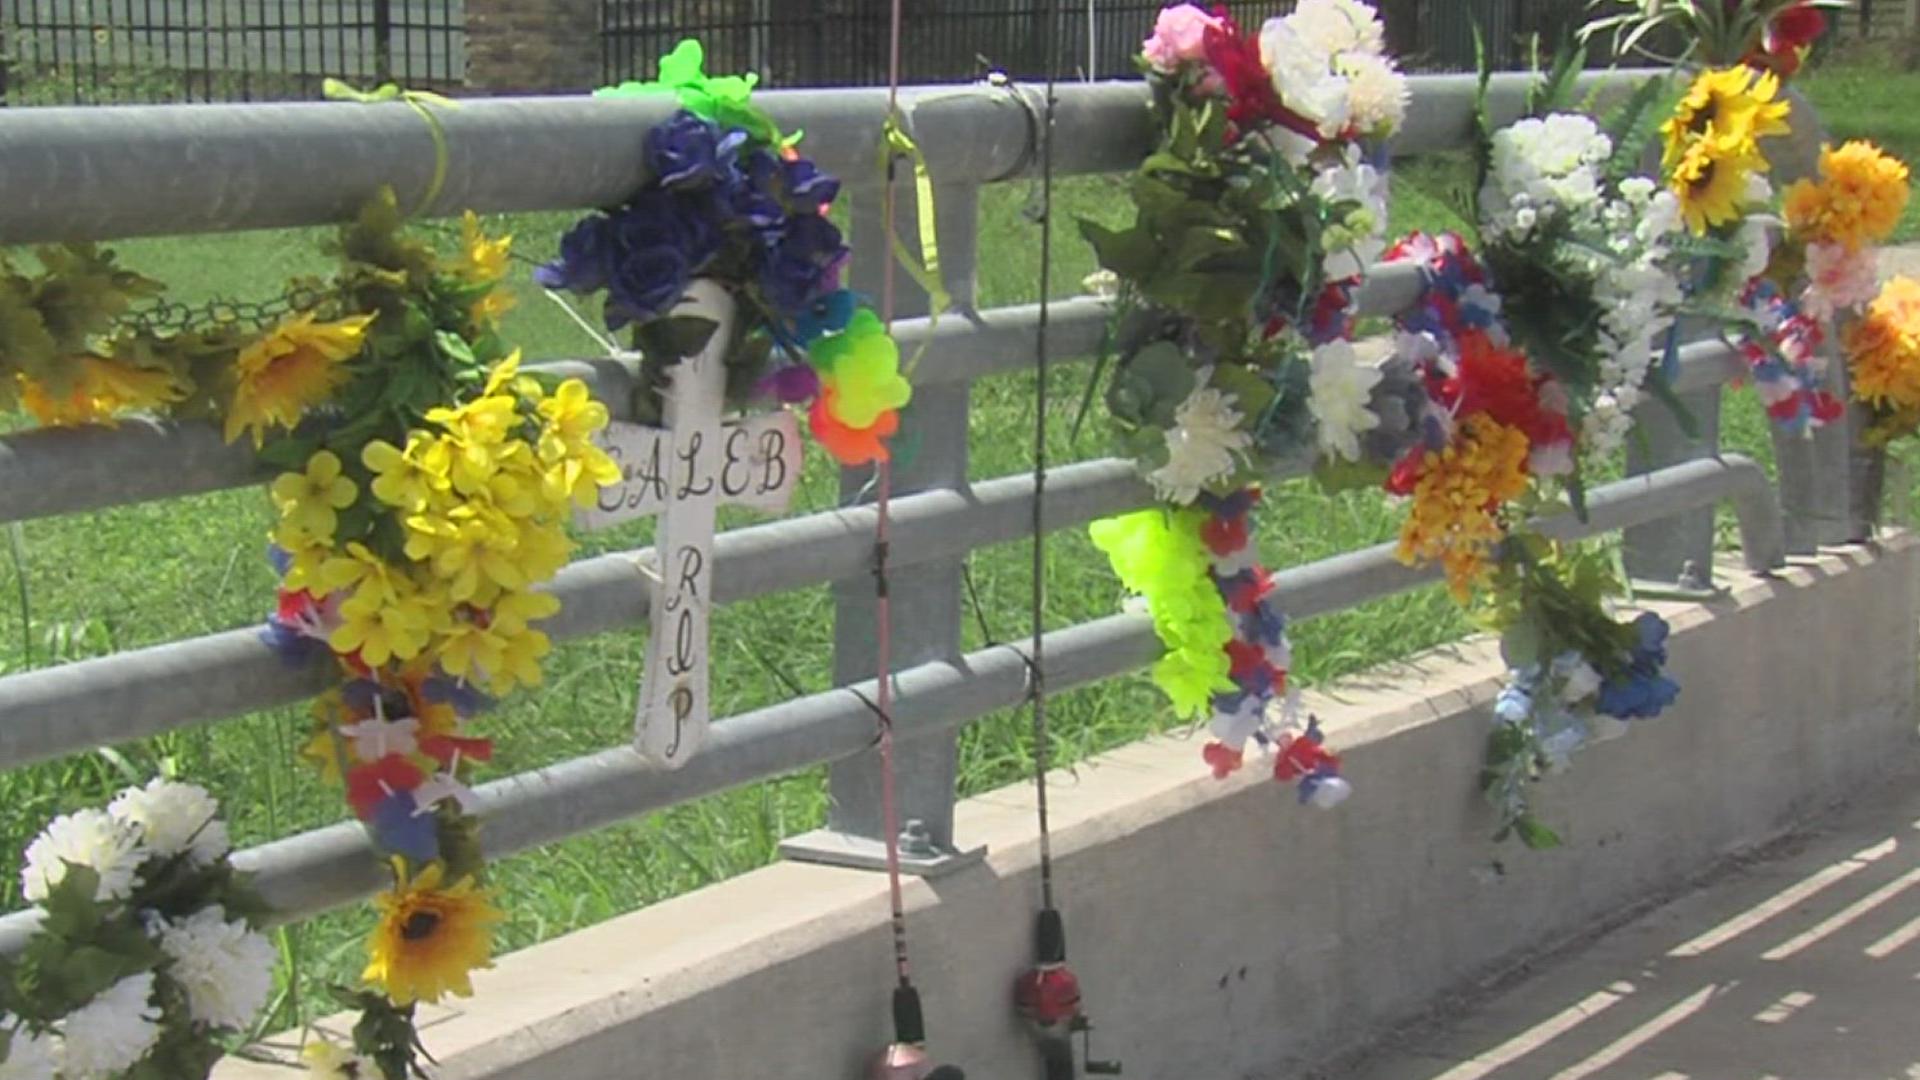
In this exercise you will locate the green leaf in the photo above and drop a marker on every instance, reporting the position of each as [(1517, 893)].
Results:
[(674, 338), (454, 347), (1131, 253), (1534, 834)]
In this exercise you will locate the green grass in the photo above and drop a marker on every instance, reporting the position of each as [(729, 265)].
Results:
[(92, 584)]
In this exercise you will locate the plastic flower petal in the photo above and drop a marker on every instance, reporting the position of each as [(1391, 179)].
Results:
[(308, 500), (861, 366), (1858, 201), (1342, 387), (850, 446)]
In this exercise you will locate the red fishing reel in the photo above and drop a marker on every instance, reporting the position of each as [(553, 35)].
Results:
[(1048, 997)]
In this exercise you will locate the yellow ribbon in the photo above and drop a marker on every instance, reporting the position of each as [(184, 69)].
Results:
[(895, 143), (419, 101)]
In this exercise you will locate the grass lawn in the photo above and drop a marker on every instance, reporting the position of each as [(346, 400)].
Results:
[(92, 584)]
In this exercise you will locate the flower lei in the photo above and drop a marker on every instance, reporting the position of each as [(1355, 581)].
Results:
[(731, 199), (149, 948), (1255, 218), (432, 483), (1490, 430)]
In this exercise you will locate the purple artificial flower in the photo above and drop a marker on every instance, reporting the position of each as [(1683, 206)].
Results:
[(294, 648), (751, 197), (804, 265), (688, 153), (794, 384), (1264, 624), (399, 828), (587, 258), (1642, 691), (280, 559)]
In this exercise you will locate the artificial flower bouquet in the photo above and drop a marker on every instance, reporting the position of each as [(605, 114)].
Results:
[(731, 200), (1766, 35), (1261, 206), (149, 951)]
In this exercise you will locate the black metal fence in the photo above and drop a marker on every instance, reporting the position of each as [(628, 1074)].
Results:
[(221, 50)]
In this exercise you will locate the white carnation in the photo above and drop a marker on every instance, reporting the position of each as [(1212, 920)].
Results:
[(90, 838), (175, 818), (1337, 26), (226, 968), (1202, 446), (111, 1033), (29, 1056), (1342, 389), (1304, 78)]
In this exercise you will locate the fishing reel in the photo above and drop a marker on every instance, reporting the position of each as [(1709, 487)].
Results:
[(1048, 997), (906, 1058)]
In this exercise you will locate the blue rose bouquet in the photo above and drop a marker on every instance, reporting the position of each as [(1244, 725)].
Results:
[(729, 199)]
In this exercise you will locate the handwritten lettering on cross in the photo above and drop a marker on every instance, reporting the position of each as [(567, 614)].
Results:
[(684, 473)]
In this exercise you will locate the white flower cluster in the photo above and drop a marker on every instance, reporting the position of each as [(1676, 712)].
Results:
[(1204, 445), (1358, 242), (1342, 392), (1548, 175), (223, 967), (1329, 63)]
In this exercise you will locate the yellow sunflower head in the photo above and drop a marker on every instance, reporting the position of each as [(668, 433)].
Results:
[(1733, 107), (290, 369), (1711, 183), (431, 936)]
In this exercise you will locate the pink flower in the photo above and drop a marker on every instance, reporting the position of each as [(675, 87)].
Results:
[(1179, 36), (1839, 280)]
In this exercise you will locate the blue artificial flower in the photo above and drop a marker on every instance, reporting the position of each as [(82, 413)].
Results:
[(807, 187), (1513, 705), (1230, 702), (1264, 624), (587, 256), (688, 153), (751, 196), (661, 241), (804, 264), (1641, 691), (466, 699), (294, 648), (829, 314), (399, 830), (280, 559)]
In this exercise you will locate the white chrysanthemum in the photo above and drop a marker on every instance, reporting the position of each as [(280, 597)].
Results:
[(111, 1033), (226, 968), (1362, 238), (1202, 446), (1337, 26), (29, 1056), (1342, 388), (90, 838), (175, 818), (1104, 284), (1377, 93)]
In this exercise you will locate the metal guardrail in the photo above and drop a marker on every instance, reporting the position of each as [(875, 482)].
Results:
[(72, 174)]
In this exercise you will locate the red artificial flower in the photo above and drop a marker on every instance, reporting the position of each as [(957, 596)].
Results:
[(296, 605), (1223, 758), (1245, 658), (1827, 408), (444, 748), (367, 785), (1251, 98), (1406, 472), (1224, 536), (1496, 381), (1300, 756), (1795, 28), (1243, 596)]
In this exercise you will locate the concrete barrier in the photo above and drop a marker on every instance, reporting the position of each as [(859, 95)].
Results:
[(1221, 931)]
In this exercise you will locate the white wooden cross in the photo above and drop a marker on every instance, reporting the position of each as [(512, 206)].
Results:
[(684, 473)]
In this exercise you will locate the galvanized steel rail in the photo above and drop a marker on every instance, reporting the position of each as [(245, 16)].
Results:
[(71, 174)]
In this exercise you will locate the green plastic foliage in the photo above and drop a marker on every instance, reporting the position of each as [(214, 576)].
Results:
[(1159, 555), (723, 99)]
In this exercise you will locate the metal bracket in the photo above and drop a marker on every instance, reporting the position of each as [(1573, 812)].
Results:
[(920, 855)]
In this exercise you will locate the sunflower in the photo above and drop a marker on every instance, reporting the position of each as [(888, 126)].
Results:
[(102, 389), (1858, 200), (1733, 107), (1712, 184), (288, 370), (430, 937)]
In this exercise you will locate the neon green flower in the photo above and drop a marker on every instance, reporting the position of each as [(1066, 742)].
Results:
[(861, 365)]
